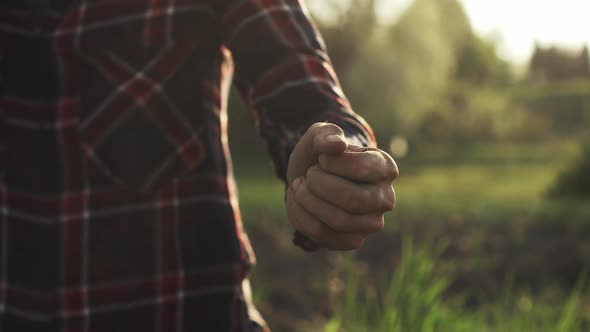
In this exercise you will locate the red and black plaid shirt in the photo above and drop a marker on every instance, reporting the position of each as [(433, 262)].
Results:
[(118, 207)]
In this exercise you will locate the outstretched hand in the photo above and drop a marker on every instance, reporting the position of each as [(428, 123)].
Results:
[(338, 193)]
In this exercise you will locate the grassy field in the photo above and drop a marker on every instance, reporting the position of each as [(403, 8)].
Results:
[(512, 259), (480, 180)]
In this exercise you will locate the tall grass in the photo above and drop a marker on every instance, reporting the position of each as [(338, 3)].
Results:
[(415, 300)]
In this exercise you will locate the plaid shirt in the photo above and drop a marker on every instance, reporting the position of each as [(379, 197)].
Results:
[(117, 199)]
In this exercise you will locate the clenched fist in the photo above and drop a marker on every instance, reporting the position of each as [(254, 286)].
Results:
[(338, 193)]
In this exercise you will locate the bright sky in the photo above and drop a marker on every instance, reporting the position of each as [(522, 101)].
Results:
[(516, 24), (519, 23)]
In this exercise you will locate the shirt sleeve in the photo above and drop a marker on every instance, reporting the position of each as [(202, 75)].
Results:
[(285, 75), (2, 137), (2, 147)]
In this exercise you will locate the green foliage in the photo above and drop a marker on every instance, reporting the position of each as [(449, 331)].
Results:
[(411, 302), (465, 114), (473, 106), (486, 199), (555, 64), (407, 77), (393, 73), (570, 319), (350, 32), (574, 180), (429, 78), (564, 105), (415, 301), (424, 45), (478, 63), (482, 180)]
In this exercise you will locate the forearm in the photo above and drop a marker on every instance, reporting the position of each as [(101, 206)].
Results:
[(285, 74)]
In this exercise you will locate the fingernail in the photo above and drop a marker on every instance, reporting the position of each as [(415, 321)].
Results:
[(334, 138), (297, 184)]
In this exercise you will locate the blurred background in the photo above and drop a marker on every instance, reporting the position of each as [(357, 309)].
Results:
[(486, 107)]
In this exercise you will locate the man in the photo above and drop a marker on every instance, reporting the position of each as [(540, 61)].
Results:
[(117, 196)]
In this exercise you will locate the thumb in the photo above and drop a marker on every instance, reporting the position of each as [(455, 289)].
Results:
[(320, 138)]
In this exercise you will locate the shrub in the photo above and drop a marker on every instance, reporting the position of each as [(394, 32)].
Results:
[(574, 182)]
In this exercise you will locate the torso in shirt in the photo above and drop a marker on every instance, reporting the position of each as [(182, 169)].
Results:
[(115, 165), (137, 79)]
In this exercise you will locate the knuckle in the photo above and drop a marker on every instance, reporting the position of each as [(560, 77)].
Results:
[(375, 224), (332, 128), (368, 197), (365, 196), (312, 171), (314, 232), (388, 205), (323, 160), (388, 198), (319, 127), (314, 128), (313, 179), (392, 169), (364, 168), (300, 197), (344, 243), (356, 243), (353, 201), (329, 162), (295, 218), (339, 220), (385, 198)]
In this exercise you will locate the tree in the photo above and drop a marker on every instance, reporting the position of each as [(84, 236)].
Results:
[(574, 181), (478, 63), (556, 64), (423, 46)]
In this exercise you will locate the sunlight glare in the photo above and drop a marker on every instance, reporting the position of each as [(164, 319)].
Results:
[(520, 23)]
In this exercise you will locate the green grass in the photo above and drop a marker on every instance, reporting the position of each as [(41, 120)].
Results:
[(261, 194), (414, 300), (497, 192), (481, 180), (469, 189), (411, 301), (495, 179)]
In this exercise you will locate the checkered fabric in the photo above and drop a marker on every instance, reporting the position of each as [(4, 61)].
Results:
[(117, 200)]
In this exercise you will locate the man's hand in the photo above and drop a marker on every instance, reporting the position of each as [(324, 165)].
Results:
[(337, 192)]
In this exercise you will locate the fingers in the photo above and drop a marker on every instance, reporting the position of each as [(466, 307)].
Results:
[(367, 166), (352, 197), (341, 191), (320, 138), (335, 218), (319, 232)]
